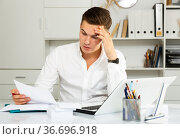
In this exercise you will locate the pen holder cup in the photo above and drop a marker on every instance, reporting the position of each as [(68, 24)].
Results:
[(131, 109)]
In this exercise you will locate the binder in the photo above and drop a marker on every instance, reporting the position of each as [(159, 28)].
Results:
[(131, 30), (158, 13), (145, 24), (178, 20), (168, 23), (120, 28), (125, 26), (172, 27), (138, 23), (174, 23), (150, 21)]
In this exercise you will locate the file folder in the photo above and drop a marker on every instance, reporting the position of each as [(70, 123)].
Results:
[(145, 24), (131, 23), (150, 20), (138, 23), (148, 23), (168, 23), (159, 20), (174, 23), (172, 28)]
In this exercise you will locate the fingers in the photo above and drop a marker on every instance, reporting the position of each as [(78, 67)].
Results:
[(20, 103), (102, 33), (15, 92), (19, 99), (19, 96)]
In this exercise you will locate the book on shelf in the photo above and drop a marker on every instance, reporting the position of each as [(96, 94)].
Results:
[(152, 57), (158, 56), (172, 2), (114, 30), (125, 29), (168, 2), (120, 29)]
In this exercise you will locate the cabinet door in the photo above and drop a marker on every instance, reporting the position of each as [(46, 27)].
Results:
[(63, 23), (21, 35), (24, 76)]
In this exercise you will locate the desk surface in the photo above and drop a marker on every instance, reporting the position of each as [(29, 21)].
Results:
[(42, 117)]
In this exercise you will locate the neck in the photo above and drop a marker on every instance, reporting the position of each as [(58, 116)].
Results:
[(94, 55)]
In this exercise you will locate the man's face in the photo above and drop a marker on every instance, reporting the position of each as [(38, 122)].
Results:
[(89, 42)]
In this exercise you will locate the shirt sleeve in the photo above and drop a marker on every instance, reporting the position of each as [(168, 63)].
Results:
[(49, 73), (116, 73)]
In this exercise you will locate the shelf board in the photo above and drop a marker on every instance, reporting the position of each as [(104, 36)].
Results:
[(173, 7), (175, 38), (114, 39), (172, 68), (62, 39), (144, 69), (152, 38)]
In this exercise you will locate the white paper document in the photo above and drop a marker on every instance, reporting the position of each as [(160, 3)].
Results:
[(37, 95), (26, 107)]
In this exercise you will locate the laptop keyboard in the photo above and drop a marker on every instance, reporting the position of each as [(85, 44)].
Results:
[(91, 107)]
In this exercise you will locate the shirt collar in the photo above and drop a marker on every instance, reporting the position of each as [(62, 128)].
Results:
[(103, 54)]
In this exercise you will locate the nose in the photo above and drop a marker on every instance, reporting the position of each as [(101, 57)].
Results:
[(87, 40)]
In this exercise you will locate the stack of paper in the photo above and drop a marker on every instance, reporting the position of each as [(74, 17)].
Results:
[(62, 110)]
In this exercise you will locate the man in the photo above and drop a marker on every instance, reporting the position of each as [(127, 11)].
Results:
[(88, 70)]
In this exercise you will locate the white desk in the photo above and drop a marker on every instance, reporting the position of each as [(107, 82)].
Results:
[(42, 118)]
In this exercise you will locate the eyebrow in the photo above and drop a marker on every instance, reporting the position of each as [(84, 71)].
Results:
[(95, 35)]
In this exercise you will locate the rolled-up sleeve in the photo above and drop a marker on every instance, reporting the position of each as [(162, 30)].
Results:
[(116, 73)]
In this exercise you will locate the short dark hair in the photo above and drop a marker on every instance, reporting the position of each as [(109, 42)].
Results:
[(98, 16)]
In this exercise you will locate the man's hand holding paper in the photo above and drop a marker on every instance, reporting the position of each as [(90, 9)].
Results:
[(32, 94), (19, 99)]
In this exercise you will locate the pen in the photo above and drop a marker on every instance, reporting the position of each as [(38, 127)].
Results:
[(12, 94), (131, 86), (129, 91), (133, 92), (139, 97), (125, 91)]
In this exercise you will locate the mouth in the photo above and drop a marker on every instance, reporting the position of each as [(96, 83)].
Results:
[(86, 47)]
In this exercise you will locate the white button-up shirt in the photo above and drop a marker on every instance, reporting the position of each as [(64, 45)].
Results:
[(77, 84)]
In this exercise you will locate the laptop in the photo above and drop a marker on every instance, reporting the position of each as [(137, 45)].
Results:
[(148, 88)]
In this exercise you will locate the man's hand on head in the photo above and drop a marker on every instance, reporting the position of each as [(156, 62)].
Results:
[(104, 35)]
